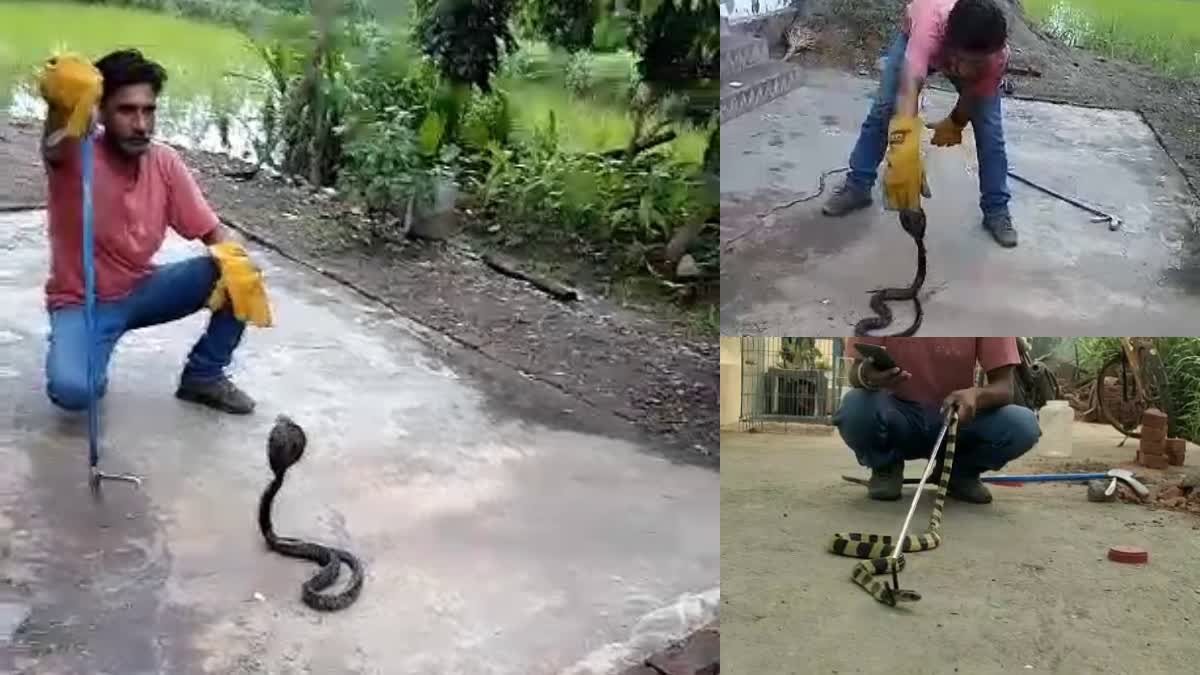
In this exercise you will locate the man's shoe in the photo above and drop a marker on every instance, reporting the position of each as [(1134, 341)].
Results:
[(886, 482), (1001, 227), (846, 199), (970, 490), (220, 394)]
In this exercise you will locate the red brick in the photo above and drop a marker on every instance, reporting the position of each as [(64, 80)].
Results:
[(1154, 434), (1176, 445), (1157, 446), (1152, 461), (700, 654), (1153, 417), (1176, 458)]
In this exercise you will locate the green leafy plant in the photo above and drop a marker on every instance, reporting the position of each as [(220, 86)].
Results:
[(579, 78), (466, 38)]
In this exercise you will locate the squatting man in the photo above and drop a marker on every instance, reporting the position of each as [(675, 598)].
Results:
[(894, 415)]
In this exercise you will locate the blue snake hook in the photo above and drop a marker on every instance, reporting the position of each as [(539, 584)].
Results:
[(95, 475)]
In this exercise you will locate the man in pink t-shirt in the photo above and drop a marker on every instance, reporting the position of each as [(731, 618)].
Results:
[(894, 415), (140, 188), (966, 40)]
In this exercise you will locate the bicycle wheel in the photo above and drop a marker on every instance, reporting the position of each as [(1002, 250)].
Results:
[(1154, 374), (1117, 369)]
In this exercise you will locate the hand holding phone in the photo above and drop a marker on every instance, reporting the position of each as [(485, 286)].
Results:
[(880, 370)]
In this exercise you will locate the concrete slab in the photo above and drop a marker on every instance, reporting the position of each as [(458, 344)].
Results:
[(797, 272), (496, 542), (1019, 585)]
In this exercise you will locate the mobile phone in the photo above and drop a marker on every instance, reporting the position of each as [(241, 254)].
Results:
[(880, 359)]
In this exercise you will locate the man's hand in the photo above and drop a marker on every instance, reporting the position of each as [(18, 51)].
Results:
[(903, 174), (967, 402), (883, 379), (947, 133)]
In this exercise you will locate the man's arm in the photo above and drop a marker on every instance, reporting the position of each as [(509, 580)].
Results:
[(999, 389), (961, 115), (215, 236), (53, 136)]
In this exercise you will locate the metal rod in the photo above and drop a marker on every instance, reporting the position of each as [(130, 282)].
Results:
[(1030, 478), (899, 541)]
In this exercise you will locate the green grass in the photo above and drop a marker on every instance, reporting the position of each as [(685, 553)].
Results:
[(595, 121), (196, 54), (1161, 33)]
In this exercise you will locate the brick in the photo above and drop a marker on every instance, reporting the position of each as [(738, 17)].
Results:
[(1154, 434), (1153, 417), (1152, 461), (700, 654), (1148, 446), (1176, 458), (1176, 445)]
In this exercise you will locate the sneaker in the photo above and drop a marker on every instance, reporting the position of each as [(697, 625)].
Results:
[(846, 199), (220, 394), (971, 490), (1001, 227), (886, 482)]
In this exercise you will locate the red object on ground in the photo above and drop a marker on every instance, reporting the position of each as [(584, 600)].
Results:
[(1128, 554), (1007, 483)]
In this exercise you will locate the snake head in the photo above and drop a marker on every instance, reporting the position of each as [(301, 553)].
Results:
[(285, 445)]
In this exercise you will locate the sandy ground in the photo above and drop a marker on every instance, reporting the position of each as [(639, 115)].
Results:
[(1018, 586), (503, 532)]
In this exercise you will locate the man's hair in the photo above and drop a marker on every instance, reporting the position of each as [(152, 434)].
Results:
[(976, 26), (127, 66)]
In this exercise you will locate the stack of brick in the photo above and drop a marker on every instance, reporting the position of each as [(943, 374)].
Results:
[(1152, 450), (1176, 450)]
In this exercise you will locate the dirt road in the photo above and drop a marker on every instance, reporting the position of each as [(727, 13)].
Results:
[(1020, 585)]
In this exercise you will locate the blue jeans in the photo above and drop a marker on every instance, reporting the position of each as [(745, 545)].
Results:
[(986, 119), (882, 430), (170, 293)]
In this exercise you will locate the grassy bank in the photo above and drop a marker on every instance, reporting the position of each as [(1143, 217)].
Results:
[(1162, 33)]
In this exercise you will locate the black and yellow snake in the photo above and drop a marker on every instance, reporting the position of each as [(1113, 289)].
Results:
[(877, 549), (285, 447)]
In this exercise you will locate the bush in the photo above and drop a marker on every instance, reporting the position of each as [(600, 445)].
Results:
[(383, 165), (631, 207), (579, 78)]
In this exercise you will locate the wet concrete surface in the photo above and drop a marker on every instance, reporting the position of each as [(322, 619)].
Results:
[(1019, 585), (798, 272), (505, 528)]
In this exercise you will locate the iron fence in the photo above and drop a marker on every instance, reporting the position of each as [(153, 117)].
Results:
[(790, 380)]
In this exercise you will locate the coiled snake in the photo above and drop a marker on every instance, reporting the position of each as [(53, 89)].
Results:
[(913, 222), (285, 446), (877, 549)]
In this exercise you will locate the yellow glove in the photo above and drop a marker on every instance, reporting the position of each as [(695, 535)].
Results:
[(71, 84), (241, 283), (947, 133), (903, 175)]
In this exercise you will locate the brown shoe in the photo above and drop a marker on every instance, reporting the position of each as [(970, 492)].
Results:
[(220, 394)]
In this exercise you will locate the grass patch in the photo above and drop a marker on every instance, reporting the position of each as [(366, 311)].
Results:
[(1161, 33), (195, 53)]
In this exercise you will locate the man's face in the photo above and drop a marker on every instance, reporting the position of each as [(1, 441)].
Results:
[(967, 66), (128, 117)]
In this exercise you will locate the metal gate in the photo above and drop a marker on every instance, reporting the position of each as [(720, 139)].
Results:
[(790, 380)]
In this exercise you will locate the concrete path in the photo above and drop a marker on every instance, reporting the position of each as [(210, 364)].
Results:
[(1021, 585), (797, 272), (506, 530)]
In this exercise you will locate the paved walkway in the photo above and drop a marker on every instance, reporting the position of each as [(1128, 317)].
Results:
[(797, 272), (506, 529)]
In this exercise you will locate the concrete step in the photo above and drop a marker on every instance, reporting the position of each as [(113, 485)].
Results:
[(740, 51), (757, 85)]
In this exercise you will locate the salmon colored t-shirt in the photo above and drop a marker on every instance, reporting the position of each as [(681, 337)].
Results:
[(925, 26), (132, 206), (942, 365)]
